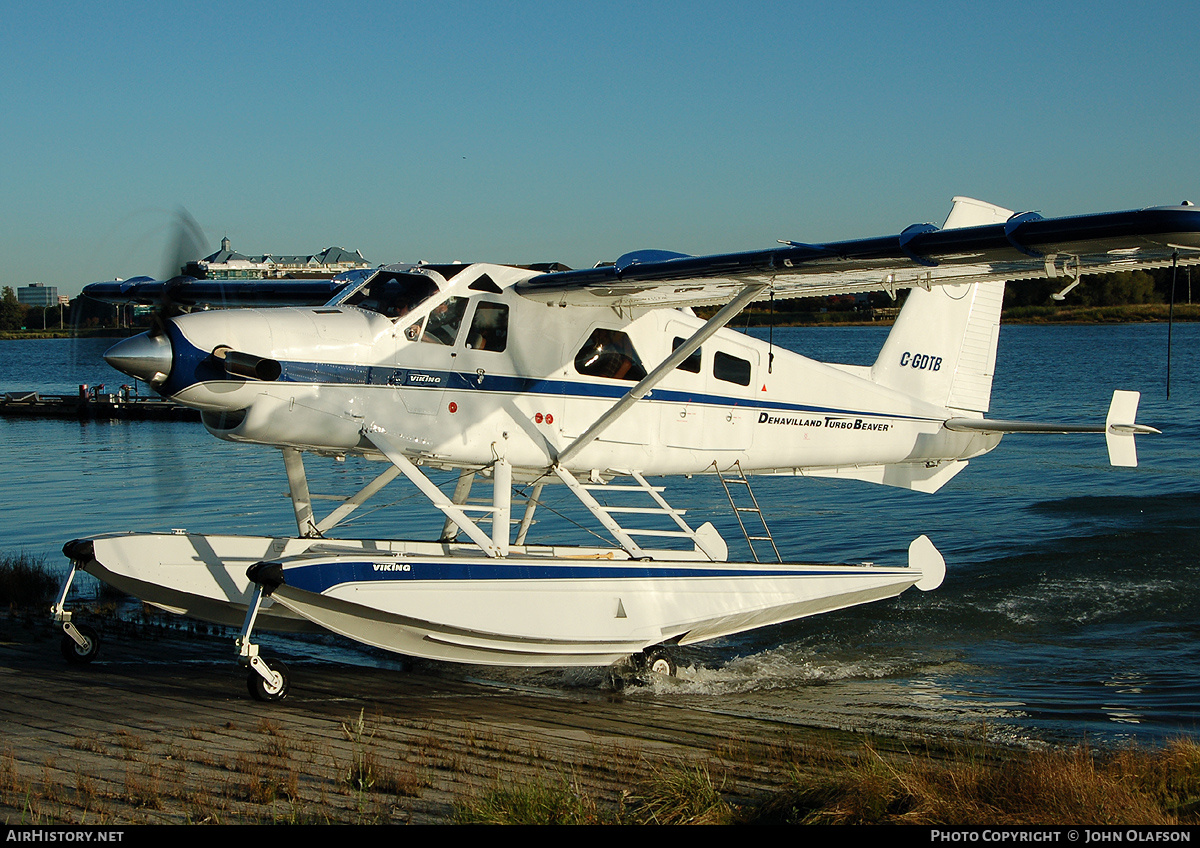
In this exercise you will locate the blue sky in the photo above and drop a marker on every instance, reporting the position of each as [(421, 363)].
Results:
[(526, 132)]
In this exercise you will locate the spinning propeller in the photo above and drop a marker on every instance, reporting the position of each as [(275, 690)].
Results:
[(186, 244)]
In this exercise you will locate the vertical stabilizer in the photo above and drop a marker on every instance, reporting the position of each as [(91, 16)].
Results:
[(969, 212), (942, 348)]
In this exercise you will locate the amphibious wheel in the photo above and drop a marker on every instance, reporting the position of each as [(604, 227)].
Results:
[(263, 691), (658, 661), (77, 654)]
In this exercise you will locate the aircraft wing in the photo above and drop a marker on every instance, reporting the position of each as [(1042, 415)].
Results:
[(189, 291), (1024, 246)]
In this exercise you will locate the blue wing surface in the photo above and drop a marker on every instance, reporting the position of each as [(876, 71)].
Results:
[(1026, 246)]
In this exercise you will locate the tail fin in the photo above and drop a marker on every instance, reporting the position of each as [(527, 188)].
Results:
[(942, 347)]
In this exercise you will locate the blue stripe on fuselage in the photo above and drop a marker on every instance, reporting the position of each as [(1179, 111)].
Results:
[(192, 366), (370, 375)]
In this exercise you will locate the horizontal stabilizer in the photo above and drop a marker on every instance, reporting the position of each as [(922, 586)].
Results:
[(999, 425), (1118, 429)]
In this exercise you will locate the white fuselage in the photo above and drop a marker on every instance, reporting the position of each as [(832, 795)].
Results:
[(346, 369)]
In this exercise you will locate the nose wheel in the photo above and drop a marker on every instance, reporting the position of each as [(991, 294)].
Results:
[(271, 686), (81, 646)]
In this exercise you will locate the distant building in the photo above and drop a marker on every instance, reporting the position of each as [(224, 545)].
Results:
[(37, 294), (226, 264)]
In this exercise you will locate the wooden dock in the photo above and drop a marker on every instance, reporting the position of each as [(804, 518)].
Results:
[(161, 729), (87, 406)]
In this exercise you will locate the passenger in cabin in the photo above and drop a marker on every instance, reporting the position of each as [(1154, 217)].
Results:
[(398, 301), (442, 326), (393, 296), (609, 354), (489, 327)]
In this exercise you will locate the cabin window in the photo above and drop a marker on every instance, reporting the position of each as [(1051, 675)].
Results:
[(731, 369), (609, 354), (692, 363), (489, 327), (444, 320), (393, 295)]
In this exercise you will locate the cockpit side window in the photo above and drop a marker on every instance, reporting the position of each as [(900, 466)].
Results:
[(609, 354), (489, 327), (444, 320), (393, 294)]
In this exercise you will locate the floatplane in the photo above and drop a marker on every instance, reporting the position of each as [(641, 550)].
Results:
[(600, 381)]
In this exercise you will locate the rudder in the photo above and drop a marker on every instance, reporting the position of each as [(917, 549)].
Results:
[(942, 347)]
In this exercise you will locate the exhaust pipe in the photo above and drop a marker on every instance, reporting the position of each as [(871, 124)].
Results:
[(248, 366)]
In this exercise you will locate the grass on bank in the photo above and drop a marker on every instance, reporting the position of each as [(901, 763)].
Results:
[(288, 779), (26, 582), (976, 787)]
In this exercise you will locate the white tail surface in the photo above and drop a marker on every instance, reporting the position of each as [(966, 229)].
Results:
[(942, 348), (969, 212)]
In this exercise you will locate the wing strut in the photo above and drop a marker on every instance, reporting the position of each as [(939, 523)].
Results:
[(723, 317)]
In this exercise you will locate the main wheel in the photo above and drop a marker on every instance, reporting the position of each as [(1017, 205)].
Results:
[(261, 690), (658, 661), (76, 654)]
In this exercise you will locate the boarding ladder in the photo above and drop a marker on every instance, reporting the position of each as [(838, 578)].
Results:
[(734, 476)]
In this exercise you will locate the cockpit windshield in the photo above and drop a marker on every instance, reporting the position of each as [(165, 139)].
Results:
[(393, 294)]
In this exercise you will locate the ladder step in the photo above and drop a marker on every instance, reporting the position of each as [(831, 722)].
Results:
[(674, 534), (645, 510), (739, 476), (614, 487)]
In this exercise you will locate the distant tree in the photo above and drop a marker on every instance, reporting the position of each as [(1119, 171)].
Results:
[(1031, 292), (1124, 287), (1118, 289), (12, 313)]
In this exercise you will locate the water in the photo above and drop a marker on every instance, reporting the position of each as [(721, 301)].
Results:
[(1070, 607)]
